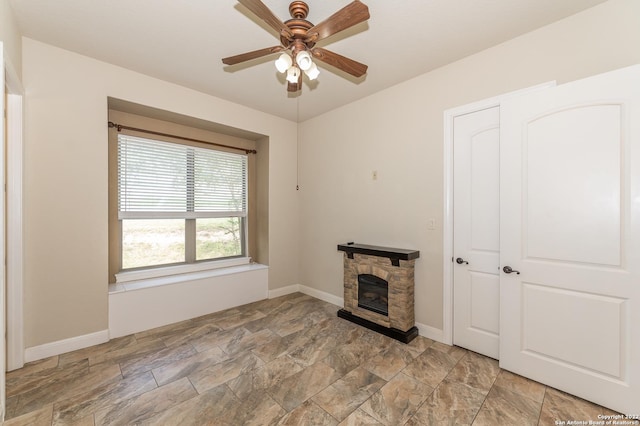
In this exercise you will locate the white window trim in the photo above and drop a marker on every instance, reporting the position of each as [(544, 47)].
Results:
[(150, 273)]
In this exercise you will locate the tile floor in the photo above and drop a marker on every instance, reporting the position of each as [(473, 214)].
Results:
[(286, 361)]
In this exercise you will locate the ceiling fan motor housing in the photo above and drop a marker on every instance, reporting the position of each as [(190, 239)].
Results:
[(299, 27)]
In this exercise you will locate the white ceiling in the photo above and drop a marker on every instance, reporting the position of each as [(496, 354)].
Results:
[(184, 41)]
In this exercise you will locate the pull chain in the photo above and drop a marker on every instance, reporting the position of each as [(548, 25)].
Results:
[(298, 143)]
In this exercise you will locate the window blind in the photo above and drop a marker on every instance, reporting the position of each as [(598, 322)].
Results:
[(165, 180)]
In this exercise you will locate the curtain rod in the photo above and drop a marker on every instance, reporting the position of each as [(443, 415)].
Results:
[(120, 127)]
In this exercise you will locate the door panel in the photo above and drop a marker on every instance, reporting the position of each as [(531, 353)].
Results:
[(484, 303), (485, 189), (570, 224), (568, 343), (476, 149), (573, 160)]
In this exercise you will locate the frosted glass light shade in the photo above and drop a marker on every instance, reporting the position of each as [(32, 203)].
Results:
[(293, 74), (303, 59), (284, 62), (312, 72)]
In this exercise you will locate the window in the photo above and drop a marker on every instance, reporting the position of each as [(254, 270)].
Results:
[(179, 203)]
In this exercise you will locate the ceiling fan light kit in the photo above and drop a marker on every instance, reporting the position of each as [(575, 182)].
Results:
[(284, 62), (312, 72), (303, 62), (303, 59), (298, 38)]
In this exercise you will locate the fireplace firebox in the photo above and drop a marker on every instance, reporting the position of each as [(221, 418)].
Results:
[(373, 294), (379, 289)]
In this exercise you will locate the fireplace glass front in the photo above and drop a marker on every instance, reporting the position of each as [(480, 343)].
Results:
[(373, 294)]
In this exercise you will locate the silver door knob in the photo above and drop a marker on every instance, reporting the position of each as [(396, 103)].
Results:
[(509, 269)]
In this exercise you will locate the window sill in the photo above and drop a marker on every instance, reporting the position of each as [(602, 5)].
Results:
[(177, 277), (144, 274)]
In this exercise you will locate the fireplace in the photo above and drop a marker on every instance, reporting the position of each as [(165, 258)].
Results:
[(379, 289)]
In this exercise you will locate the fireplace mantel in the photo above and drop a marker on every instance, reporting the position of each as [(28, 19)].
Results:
[(395, 254)]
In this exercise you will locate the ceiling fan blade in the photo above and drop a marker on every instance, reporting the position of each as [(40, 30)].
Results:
[(263, 12), (232, 60), (343, 63), (350, 15)]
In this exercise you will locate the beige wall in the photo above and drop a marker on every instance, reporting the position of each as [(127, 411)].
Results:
[(399, 133), (10, 37), (65, 183)]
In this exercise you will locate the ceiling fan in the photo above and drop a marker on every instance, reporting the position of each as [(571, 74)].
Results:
[(299, 37)]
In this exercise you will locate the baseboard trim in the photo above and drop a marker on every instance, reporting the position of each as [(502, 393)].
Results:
[(318, 294), (35, 353), (431, 332), (283, 291), (322, 295)]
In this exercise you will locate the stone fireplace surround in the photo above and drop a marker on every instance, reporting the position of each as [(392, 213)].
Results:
[(396, 266)]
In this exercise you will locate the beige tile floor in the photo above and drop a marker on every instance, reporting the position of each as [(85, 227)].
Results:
[(286, 361)]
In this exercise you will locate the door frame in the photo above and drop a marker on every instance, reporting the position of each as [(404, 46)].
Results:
[(14, 218), (447, 225)]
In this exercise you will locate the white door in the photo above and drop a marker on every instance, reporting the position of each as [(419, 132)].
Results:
[(476, 238), (570, 224)]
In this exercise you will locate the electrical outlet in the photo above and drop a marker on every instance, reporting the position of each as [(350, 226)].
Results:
[(431, 224)]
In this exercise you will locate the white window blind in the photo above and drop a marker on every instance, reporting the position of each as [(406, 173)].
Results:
[(165, 180)]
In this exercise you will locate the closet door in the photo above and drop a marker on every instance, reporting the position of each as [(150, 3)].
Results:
[(570, 238), (476, 239)]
